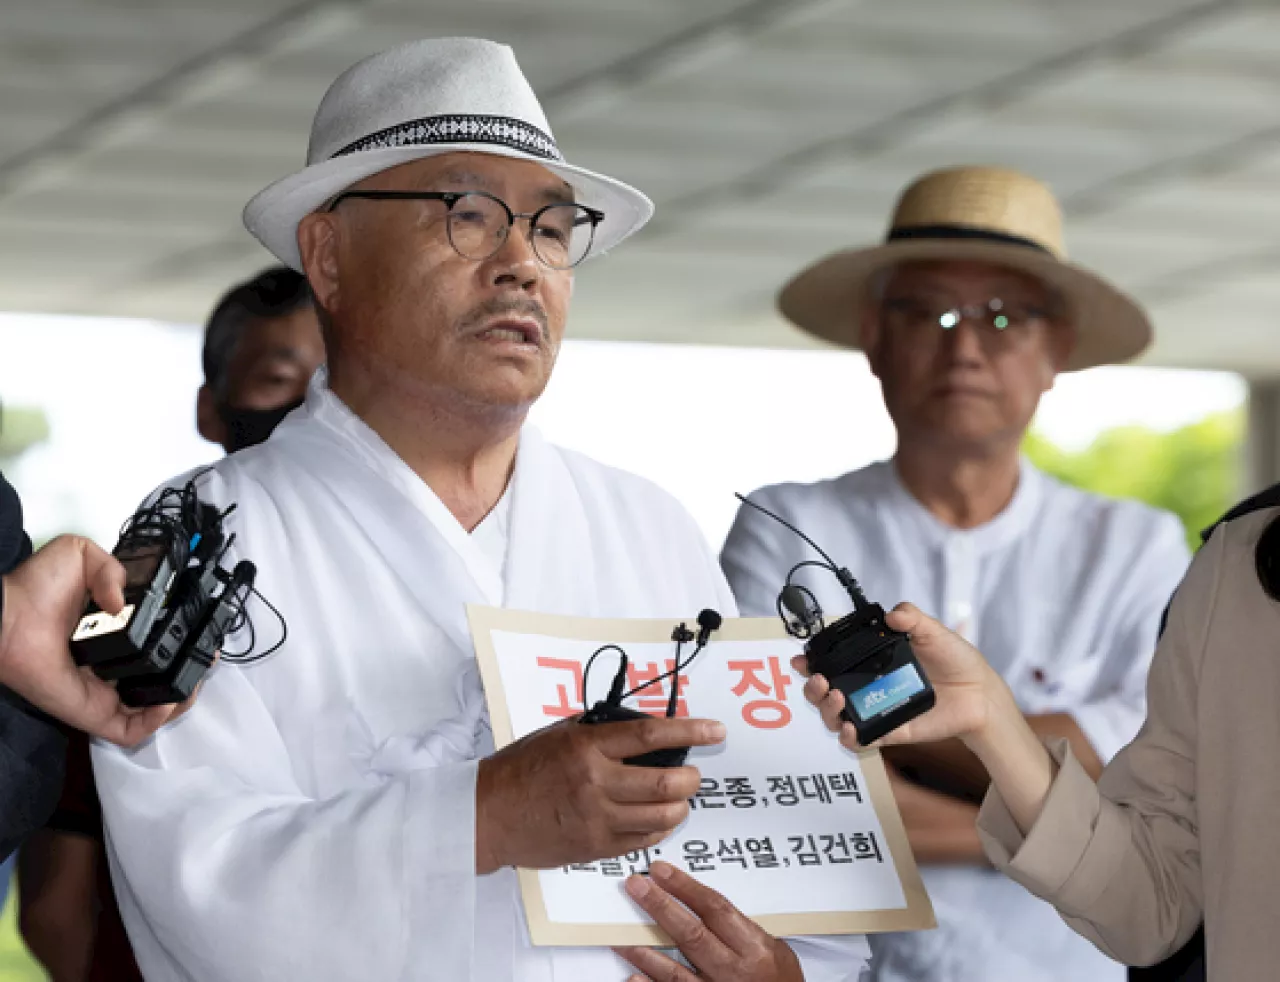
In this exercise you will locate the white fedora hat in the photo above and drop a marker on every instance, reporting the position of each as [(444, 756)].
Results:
[(443, 95), (987, 214)]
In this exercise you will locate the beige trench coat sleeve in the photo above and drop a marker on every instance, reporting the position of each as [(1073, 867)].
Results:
[(1121, 859)]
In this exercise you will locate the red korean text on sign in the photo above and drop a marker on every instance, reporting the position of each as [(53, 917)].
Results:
[(653, 700), (569, 700), (770, 713)]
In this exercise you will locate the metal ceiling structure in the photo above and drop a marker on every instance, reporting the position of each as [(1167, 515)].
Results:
[(767, 131)]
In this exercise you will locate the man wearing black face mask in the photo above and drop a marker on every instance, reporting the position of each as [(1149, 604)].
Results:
[(262, 344)]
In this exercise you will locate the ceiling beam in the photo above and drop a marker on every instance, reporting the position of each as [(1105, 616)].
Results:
[(210, 68), (682, 51), (1221, 158), (886, 132), (1186, 282), (686, 50)]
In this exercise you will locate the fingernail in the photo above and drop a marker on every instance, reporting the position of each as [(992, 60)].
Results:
[(714, 731), (660, 870), (637, 887)]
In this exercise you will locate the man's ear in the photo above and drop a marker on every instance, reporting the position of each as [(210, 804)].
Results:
[(318, 246), (208, 423), (871, 336), (1061, 344)]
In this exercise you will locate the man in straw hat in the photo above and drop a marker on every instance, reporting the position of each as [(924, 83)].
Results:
[(336, 812), (966, 314)]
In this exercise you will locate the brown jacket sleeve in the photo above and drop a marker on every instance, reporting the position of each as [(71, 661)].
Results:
[(1121, 859)]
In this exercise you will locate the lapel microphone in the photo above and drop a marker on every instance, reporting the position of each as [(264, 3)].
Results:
[(708, 622), (611, 709)]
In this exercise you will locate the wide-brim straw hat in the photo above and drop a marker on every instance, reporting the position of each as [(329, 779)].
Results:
[(982, 214), (443, 95)]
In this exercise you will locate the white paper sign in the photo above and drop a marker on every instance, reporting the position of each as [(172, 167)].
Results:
[(801, 834)]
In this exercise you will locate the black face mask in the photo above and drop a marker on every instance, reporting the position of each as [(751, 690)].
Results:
[(249, 427)]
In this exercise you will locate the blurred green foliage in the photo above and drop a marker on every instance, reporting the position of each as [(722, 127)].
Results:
[(1192, 472), (16, 964), (20, 429)]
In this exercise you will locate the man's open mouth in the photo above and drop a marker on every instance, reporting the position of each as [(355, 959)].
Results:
[(517, 332)]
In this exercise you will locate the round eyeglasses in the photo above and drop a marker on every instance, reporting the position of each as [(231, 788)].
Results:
[(560, 233)]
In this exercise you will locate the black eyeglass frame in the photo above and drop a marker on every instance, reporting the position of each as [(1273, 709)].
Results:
[(1049, 313), (451, 198)]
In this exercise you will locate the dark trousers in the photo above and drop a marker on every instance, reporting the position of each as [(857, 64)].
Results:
[(1184, 965)]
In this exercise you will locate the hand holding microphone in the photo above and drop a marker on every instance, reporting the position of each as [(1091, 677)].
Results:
[(611, 710)]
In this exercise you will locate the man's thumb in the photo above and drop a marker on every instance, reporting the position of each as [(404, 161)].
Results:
[(104, 576)]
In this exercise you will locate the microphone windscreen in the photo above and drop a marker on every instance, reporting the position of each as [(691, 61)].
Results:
[(794, 600), (710, 621)]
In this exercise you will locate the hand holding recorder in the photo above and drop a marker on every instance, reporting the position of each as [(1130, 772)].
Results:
[(972, 702), (42, 600)]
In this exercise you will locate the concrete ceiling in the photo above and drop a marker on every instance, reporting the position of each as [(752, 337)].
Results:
[(768, 132)]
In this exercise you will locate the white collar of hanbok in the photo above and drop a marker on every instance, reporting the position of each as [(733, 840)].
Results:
[(1007, 526), (550, 554), (325, 408)]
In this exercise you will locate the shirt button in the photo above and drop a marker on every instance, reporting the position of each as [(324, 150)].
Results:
[(1038, 676)]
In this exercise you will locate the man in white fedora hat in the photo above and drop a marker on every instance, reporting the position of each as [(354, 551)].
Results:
[(336, 812), (966, 313)]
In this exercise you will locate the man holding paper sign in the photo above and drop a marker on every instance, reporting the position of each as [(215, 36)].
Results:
[(336, 811)]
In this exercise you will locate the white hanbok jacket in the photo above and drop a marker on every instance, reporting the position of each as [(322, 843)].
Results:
[(312, 818)]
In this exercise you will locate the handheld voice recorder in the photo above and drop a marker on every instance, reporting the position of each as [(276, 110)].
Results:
[(859, 654)]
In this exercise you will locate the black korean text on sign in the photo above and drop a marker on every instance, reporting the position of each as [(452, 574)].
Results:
[(835, 849), (805, 856), (783, 790), (845, 786), (741, 794), (815, 786), (823, 788), (762, 853), (865, 846), (632, 862), (730, 853), (709, 795), (698, 857), (737, 791)]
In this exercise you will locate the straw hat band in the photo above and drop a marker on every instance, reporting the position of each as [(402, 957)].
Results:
[(991, 198), (963, 232), (452, 128)]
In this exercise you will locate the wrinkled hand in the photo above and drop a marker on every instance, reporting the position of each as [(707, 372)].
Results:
[(563, 795), (964, 683), (43, 599), (719, 941)]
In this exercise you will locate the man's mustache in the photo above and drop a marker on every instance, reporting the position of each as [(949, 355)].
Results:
[(506, 307)]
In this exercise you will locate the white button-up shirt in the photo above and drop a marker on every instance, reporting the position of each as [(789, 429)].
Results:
[(1063, 593)]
